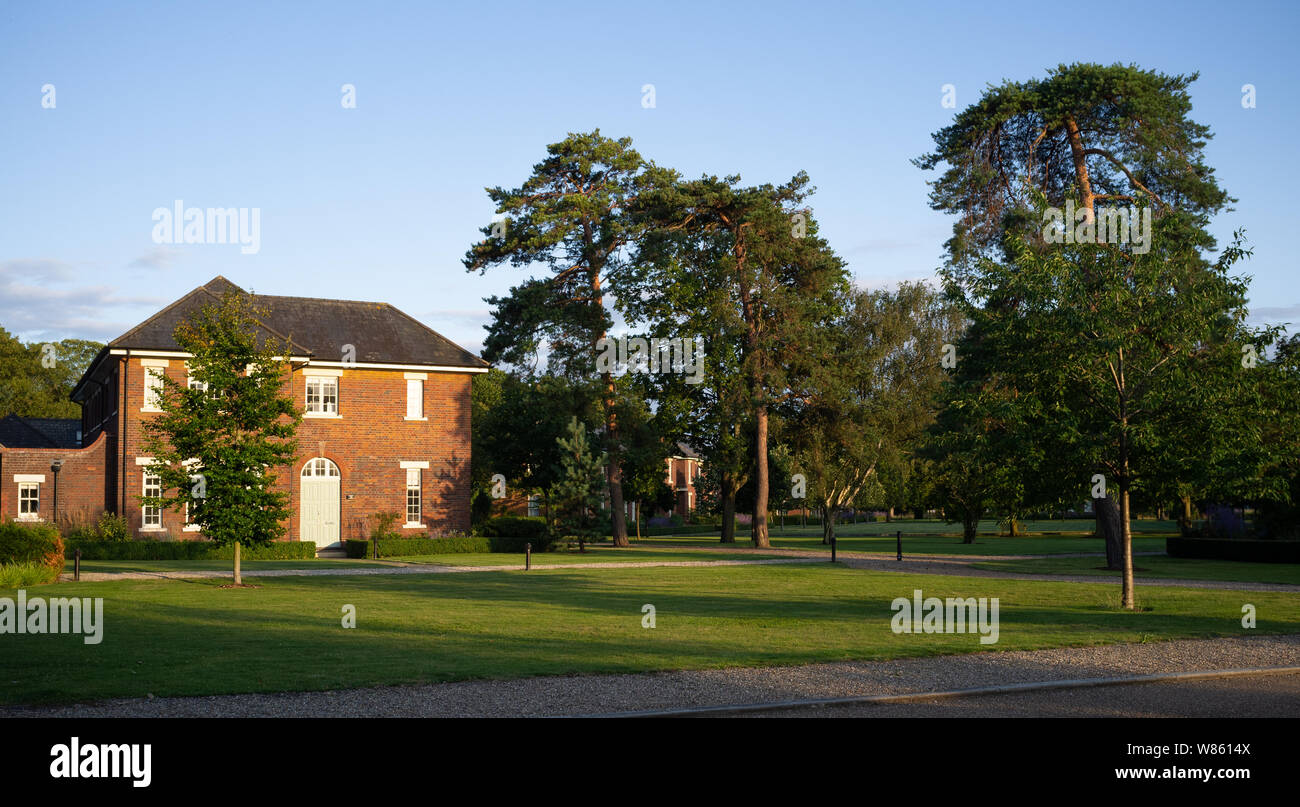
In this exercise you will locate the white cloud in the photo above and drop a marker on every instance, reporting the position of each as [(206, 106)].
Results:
[(42, 298)]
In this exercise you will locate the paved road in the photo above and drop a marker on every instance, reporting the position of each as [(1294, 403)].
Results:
[(1254, 696)]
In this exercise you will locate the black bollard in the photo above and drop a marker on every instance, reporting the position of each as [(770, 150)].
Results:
[(528, 556), (832, 548), (76, 565), (900, 544)]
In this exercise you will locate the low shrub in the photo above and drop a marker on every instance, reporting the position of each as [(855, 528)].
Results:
[(190, 550), (1267, 551), (38, 544), (109, 527), (514, 527), (451, 545), (21, 575), (400, 547)]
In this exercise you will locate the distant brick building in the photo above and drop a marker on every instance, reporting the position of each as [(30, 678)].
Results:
[(386, 425), (684, 467)]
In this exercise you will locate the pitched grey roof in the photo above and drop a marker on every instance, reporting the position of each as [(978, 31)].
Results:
[(19, 432), (378, 332)]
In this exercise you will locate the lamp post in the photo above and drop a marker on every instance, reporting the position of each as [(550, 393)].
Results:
[(55, 467)]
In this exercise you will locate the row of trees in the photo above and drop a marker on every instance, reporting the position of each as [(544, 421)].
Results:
[(36, 378), (1041, 373)]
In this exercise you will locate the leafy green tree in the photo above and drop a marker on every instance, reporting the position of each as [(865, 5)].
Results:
[(754, 267), (217, 450), (872, 402), (568, 216), (37, 379), (578, 490), (1096, 348), (1085, 132)]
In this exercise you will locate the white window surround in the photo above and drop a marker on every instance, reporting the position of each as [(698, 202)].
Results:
[(28, 488), (322, 392), (321, 416), (415, 398), (29, 478), (321, 372), (153, 387), (414, 498), (407, 465), (144, 460), (148, 513), (155, 363)]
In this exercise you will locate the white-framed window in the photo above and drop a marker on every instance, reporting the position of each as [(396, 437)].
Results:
[(413, 499), (151, 516), (153, 388), (194, 383), (534, 505), (322, 395), (29, 501), (414, 399)]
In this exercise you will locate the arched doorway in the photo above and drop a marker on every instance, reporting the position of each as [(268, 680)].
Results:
[(318, 507)]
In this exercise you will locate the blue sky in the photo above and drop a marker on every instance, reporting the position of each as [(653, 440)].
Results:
[(238, 105)]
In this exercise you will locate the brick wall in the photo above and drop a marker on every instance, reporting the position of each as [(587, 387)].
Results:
[(80, 485), (368, 443)]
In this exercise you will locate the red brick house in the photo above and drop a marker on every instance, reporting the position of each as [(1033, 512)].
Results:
[(684, 468), (386, 425)]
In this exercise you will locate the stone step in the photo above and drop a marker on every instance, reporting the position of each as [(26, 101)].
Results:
[(331, 553)]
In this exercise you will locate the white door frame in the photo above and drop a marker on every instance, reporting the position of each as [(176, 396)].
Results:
[(321, 476)]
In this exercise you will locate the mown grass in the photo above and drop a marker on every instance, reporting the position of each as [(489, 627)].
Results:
[(192, 637), (1156, 567)]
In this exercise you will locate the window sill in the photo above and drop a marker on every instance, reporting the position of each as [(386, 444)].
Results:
[(191, 529), (412, 526), (322, 416), (30, 519), (150, 409), (426, 420), (153, 529)]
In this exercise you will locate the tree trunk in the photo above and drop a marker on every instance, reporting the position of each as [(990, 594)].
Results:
[(728, 509), (1108, 528), (239, 580), (1130, 602), (1185, 520), (889, 515), (759, 529), (970, 524), (828, 524), (636, 510)]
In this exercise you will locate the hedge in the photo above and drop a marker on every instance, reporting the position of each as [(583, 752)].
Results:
[(395, 547), (526, 527), (190, 550), (1233, 549), (38, 544)]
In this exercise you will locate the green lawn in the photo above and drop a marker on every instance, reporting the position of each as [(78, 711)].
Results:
[(1180, 568), (192, 637)]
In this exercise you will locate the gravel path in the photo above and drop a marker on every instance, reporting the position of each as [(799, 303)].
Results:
[(958, 565), (598, 694), (414, 568)]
